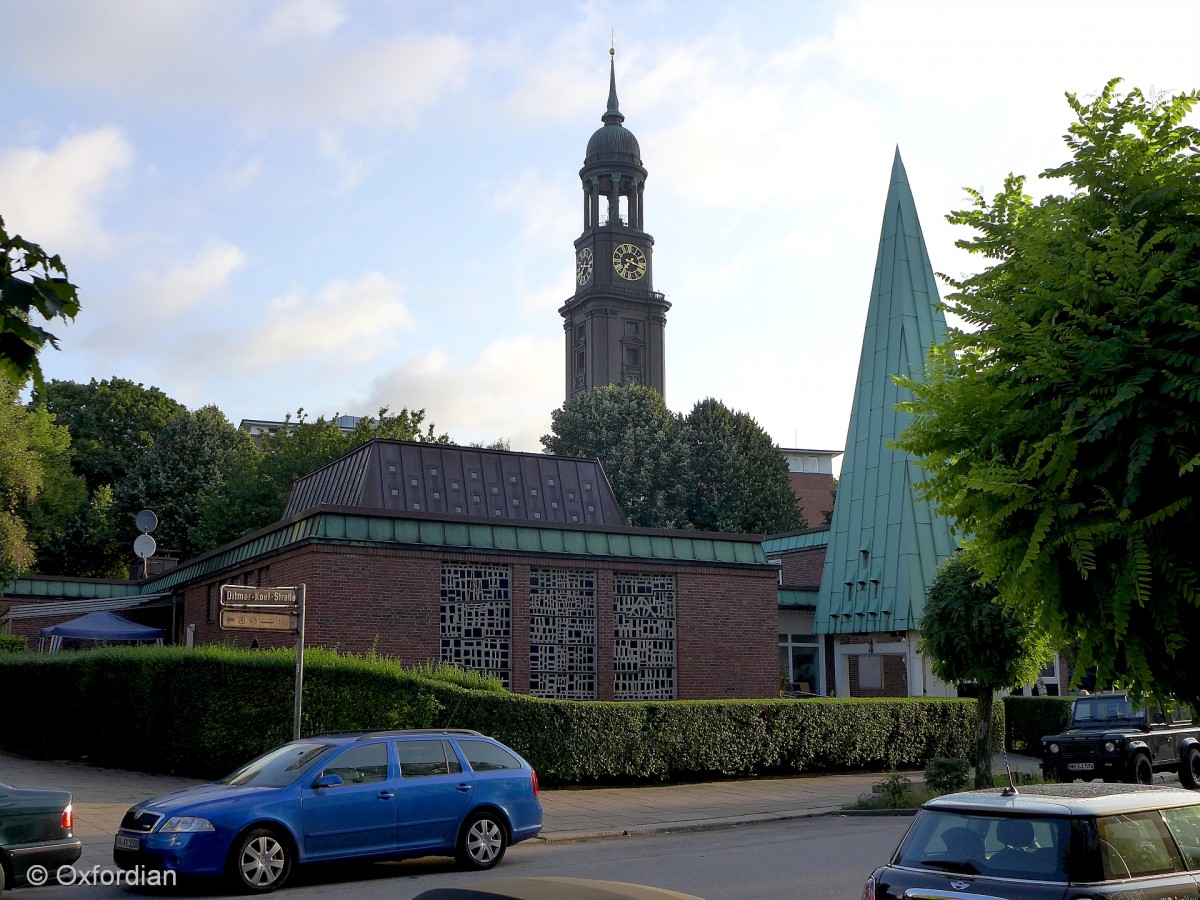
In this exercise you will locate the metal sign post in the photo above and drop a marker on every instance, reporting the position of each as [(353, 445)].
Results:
[(299, 660), (268, 609)]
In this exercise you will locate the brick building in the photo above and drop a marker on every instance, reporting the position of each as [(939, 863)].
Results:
[(515, 564)]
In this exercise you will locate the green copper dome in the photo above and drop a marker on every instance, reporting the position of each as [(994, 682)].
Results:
[(613, 141)]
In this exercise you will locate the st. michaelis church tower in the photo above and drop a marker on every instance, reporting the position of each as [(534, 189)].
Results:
[(615, 321)]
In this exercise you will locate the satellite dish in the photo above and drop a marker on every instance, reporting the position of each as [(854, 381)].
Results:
[(144, 546), (146, 521)]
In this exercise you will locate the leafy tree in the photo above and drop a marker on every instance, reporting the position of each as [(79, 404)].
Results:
[(31, 281), (639, 442), (20, 481), (93, 543), (187, 457), (969, 637), (63, 494), (739, 478), (714, 470), (112, 423), (257, 478), (1061, 432)]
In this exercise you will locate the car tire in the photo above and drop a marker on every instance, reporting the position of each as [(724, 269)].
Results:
[(3, 876), (260, 861), (482, 841), (1189, 768), (1140, 770)]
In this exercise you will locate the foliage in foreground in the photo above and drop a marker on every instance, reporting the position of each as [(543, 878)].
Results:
[(32, 283), (1059, 429), (204, 711), (969, 638)]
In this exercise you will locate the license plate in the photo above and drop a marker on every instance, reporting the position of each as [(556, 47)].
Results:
[(1081, 767), (128, 843)]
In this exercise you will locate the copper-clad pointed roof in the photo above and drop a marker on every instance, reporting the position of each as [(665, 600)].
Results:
[(885, 543)]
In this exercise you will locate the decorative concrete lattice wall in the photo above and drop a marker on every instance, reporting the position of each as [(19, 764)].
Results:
[(644, 639), (477, 618), (562, 634)]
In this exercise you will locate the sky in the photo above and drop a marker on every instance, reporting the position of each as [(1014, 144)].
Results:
[(342, 206)]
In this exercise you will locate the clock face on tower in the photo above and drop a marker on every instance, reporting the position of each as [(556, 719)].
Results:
[(583, 265), (629, 262)]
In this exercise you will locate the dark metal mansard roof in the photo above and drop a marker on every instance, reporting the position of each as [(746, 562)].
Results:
[(442, 479)]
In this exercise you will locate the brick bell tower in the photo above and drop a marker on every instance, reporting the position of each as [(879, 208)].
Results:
[(614, 323)]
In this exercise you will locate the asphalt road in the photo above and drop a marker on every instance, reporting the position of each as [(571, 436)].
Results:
[(819, 858)]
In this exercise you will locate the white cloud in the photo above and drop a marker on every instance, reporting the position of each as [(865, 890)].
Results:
[(477, 399), (344, 323), (184, 287), (53, 197), (266, 64), (330, 146), (294, 19)]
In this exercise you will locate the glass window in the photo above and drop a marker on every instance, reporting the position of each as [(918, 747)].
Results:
[(279, 767), (361, 764), (1136, 844), (487, 757), (1184, 822), (972, 844), (420, 759)]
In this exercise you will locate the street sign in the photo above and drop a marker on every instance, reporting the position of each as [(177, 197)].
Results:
[(258, 620), (240, 596)]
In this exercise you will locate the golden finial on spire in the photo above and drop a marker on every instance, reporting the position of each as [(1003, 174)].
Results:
[(612, 51)]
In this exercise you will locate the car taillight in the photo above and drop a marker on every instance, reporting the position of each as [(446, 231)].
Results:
[(68, 817), (535, 784), (869, 890)]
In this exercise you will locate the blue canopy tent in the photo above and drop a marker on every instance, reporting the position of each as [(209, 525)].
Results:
[(100, 627)]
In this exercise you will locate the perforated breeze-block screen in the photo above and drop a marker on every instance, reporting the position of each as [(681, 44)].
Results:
[(477, 619), (562, 634), (644, 644)]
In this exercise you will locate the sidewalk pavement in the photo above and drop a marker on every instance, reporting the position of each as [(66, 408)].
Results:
[(101, 796)]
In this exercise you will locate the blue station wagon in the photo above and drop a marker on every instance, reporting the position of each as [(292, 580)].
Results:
[(371, 795)]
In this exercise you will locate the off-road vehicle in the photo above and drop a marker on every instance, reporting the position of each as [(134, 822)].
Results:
[(1112, 738)]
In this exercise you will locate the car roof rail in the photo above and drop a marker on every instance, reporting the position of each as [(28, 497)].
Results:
[(406, 731)]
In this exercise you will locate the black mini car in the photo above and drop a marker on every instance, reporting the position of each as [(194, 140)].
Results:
[(1062, 841)]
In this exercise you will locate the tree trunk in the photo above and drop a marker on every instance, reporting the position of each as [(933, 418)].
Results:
[(983, 736)]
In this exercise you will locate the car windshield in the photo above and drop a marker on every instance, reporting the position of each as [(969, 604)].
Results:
[(1095, 710), (280, 767), (971, 843)]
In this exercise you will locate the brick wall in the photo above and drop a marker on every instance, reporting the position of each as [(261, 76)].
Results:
[(389, 599), (813, 491), (802, 568), (891, 669)]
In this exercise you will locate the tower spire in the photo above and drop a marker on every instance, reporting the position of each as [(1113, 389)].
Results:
[(613, 115)]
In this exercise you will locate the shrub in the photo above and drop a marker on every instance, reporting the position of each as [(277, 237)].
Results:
[(13, 643), (894, 788), (1028, 719), (204, 711), (944, 775)]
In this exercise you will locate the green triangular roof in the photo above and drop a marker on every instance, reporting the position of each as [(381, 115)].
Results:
[(885, 544)]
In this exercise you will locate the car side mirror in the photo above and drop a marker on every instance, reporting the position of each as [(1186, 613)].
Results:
[(328, 781), (1158, 717), (1062, 722)]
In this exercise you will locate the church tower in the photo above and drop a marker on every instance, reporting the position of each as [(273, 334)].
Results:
[(614, 322)]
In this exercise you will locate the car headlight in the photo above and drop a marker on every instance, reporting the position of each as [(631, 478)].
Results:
[(1053, 748), (1109, 746), (186, 823)]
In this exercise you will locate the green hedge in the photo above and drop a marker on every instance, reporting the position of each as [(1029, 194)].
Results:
[(202, 712), (1027, 719), (13, 643)]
